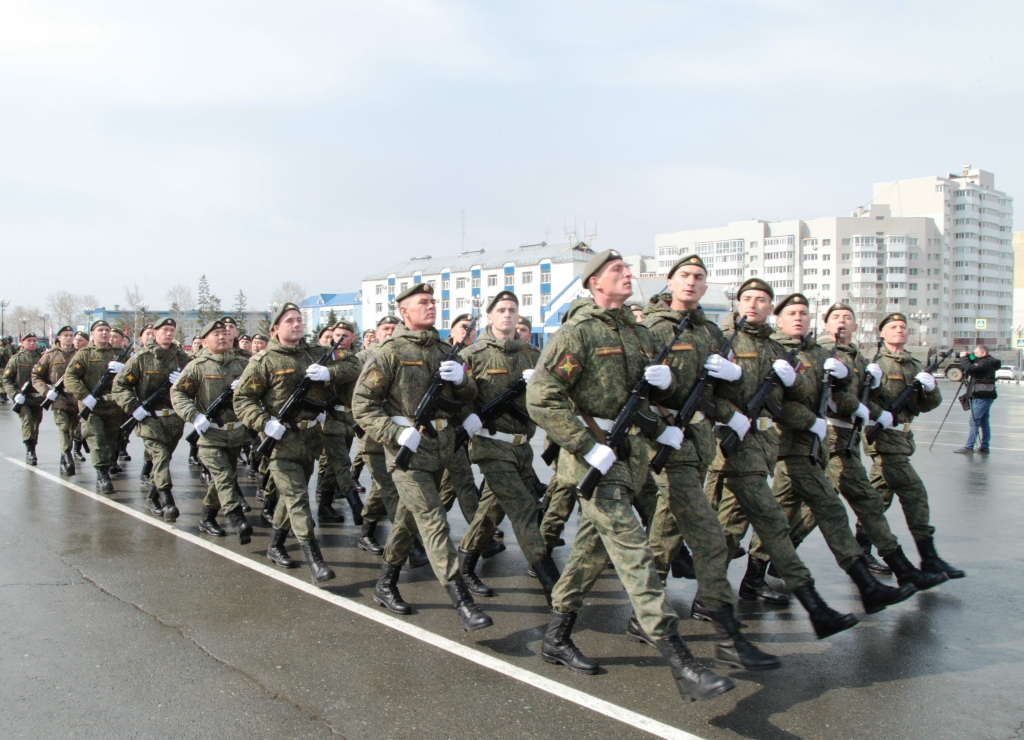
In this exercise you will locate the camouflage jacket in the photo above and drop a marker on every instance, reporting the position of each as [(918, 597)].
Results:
[(590, 366), (6, 353), (266, 384), (344, 366), (48, 371), (495, 364), (755, 351), (898, 371), (850, 354), (142, 376), (393, 381), (201, 382), (87, 367), (367, 443), (18, 372)]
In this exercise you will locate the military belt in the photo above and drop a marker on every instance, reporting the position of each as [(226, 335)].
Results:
[(698, 415), (839, 423), (405, 421), (341, 408), (604, 425), (229, 427), (163, 413), (512, 439), (763, 423)]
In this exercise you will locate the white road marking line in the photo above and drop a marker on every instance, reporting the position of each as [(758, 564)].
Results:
[(588, 701)]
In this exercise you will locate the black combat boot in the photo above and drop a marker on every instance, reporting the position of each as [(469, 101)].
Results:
[(733, 650), (694, 681), (67, 463), (167, 502), (114, 468), (153, 502), (356, 504), (754, 588), (826, 620), (558, 647), (241, 525), (386, 593), (123, 455), (417, 555), (682, 564), (471, 616), (208, 522), (77, 450), (356, 471), (204, 474), (874, 595), (932, 563), (493, 549), (244, 505), (547, 573), (193, 456), (267, 512), (276, 551), (366, 541), (467, 567), (907, 573), (318, 570), (635, 632), (700, 612), (325, 511), (147, 468), (30, 452), (879, 569), (103, 483), (72, 468)]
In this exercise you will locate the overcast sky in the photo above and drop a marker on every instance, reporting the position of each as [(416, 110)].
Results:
[(145, 142)]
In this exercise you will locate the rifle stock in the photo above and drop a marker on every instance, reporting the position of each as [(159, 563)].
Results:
[(103, 384), (494, 408), (865, 396), (826, 396), (218, 403)]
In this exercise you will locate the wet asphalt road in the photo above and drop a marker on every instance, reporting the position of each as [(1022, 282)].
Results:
[(112, 627)]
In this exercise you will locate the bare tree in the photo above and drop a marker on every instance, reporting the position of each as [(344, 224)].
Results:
[(289, 291), (24, 319), (181, 298), (137, 303), (64, 307), (86, 304)]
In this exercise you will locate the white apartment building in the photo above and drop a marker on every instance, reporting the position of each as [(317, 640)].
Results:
[(936, 248)]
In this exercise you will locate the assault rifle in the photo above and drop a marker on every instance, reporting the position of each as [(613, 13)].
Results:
[(906, 400), (102, 386), (632, 414), (694, 401), (26, 390), (826, 396), (220, 402), (865, 395), (503, 403), (147, 404), (762, 399), (58, 388), (433, 400)]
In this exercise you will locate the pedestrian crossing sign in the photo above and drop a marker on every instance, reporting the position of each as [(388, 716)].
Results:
[(980, 324), (1020, 344)]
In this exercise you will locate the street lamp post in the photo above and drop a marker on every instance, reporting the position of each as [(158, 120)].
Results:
[(24, 328), (730, 293), (920, 317), (4, 303), (42, 324)]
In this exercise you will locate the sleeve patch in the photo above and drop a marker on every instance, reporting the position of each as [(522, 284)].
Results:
[(568, 366), (187, 385), (130, 377), (254, 385), (374, 379)]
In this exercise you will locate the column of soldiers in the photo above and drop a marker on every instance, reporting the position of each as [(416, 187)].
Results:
[(762, 403)]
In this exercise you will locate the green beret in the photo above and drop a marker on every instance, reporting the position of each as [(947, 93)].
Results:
[(64, 329), (282, 311), (147, 326), (596, 263), (211, 326), (98, 323), (892, 317), (82, 334), (119, 331), (462, 317), (689, 260), (756, 284), (264, 337), (167, 321), (634, 305), (324, 331), (525, 320), (388, 320), (228, 320), (840, 306), (793, 299), (505, 295), (416, 288), (346, 325), (30, 335)]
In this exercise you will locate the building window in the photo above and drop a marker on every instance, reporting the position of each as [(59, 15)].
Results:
[(845, 271), (402, 287), (753, 245), (826, 242), (753, 273), (492, 281), (826, 286), (846, 286), (445, 304), (846, 242), (377, 307), (846, 257), (912, 286), (912, 301), (826, 271), (460, 303), (826, 258), (445, 284), (753, 258), (460, 283), (913, 241), (545, 277), (527, 299), (526, 278), (476, 282), (444, 323), (379, 290)]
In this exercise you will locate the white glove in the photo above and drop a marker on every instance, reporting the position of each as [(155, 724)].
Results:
[(140, 413), (862, 412), (19, 399), (672, 436), (785, 372), (51, 396), (318, 373), (452, 370), (819, 427), (274, 429), (410, 438), (719, 367), (601, 457), (89, 402), (528, 375), (114, 366), (885, 419), (836, 368), (876, 374), (660, 376), (173, 377), (321, 417), (927, 381), (201, 424), (739, 424), (472, 424), (234, 384)]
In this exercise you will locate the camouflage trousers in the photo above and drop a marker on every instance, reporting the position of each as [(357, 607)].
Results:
[(609, 530), (382, 500), (458, 483), (292, 482), (798, 481), (221, 463), (683, 506), (847, 475), (646, 500), (160, 453), (420, 509), (747, 498), (31, 417), (335, 465), (561, 500), (103, 433), (68, 428), (894, 475), (510, 486)]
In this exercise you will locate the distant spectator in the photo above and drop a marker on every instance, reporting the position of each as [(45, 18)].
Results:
[(981, 393)]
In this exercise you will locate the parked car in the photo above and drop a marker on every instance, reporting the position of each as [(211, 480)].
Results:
[(1007, 372)]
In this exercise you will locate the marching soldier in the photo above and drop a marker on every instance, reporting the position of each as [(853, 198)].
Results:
[(18, 385), (157, 366), (118, 340), (45, 377), (259, 342), (245, 344), (236, 341), (265, 386), (583, 379), (524, 330), (202, 381), (392, 384), (6, 353), (81, 340)]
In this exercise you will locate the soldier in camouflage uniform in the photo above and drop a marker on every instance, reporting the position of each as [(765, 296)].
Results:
[(158, 365), (681, 504), (891, 470), (202, 381), (738, 484), (389, 390), (81, 340), (45, 377), (17, 373), (6, 353), (265, 386), (583, 379)]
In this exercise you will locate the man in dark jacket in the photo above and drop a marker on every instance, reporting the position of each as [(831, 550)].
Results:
[(981, 392)]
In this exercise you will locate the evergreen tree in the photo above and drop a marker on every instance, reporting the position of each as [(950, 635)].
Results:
[(204, 308), (332, 318), (239, 310)]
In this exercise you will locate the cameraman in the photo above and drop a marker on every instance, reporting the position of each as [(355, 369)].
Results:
[(981, 393)]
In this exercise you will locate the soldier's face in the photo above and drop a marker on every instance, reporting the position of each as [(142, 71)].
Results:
[(793, 320), (345, 336), (258, 345), (756, 305), (503, 319), (66, 339), (116, 340), (218, 341), (524, 332), (458, 333), (419, 312), (29, 344), (369, 338), (688, 285), (80, 341), (165, 335), (245, 344), (101, 336), (841, 321), (895, 333), (324, 339), (613, 283), (290, 329), (232, 330), (384, 331), (638, 315), (146, 336)]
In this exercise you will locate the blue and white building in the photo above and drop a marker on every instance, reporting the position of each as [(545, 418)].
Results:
[(316, 309)]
